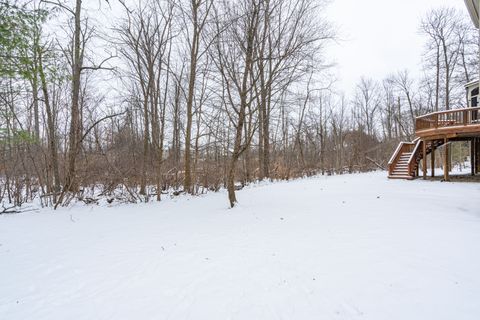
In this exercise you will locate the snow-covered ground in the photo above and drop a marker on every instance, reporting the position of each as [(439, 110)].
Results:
[(344, 247)]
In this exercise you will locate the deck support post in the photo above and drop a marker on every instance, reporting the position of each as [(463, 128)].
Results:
[(424, 159), (477, 154), (472, 156), (432, 161), (446, 161)]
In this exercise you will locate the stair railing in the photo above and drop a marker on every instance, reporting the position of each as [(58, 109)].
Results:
[(415, 150)]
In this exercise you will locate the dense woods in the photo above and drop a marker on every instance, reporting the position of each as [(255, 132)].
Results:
[(197, 95)]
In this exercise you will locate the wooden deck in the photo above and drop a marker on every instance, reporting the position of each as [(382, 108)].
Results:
[(432, 131), (456, 123)]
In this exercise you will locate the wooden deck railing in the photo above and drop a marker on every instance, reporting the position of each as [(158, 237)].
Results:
[(450, 118)]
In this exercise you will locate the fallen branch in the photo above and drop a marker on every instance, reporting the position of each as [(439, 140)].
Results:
[(14, 209), (375, 163)]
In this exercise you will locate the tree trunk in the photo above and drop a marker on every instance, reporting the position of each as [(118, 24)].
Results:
[(187, 185), (75, 130), (51, 134)]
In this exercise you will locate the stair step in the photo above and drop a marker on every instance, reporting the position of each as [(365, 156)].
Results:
[(406, 177)]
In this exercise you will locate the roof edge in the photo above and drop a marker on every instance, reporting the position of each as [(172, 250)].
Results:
[(472, 7), (472, 83)]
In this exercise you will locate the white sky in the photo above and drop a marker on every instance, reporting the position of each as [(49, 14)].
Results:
[(379, 37), (376, 37)]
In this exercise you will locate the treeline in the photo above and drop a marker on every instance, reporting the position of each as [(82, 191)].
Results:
[(198, 95)]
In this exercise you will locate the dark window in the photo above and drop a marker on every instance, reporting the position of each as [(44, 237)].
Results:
[(475, 92)]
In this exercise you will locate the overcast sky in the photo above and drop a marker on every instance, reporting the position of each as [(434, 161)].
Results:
[(380, 37), (377, 37)]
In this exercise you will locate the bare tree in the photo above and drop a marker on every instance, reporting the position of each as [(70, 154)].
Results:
[(367, 103), (197, 15), (145, 39), (234, 58), (441, 26)]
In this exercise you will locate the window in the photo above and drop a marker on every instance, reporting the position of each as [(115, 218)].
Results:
[(474, 98)]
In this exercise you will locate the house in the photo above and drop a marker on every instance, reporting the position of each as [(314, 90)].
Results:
[(440, 129)]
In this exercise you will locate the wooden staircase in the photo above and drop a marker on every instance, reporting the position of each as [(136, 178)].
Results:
[(401, 169), (405, 160)]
